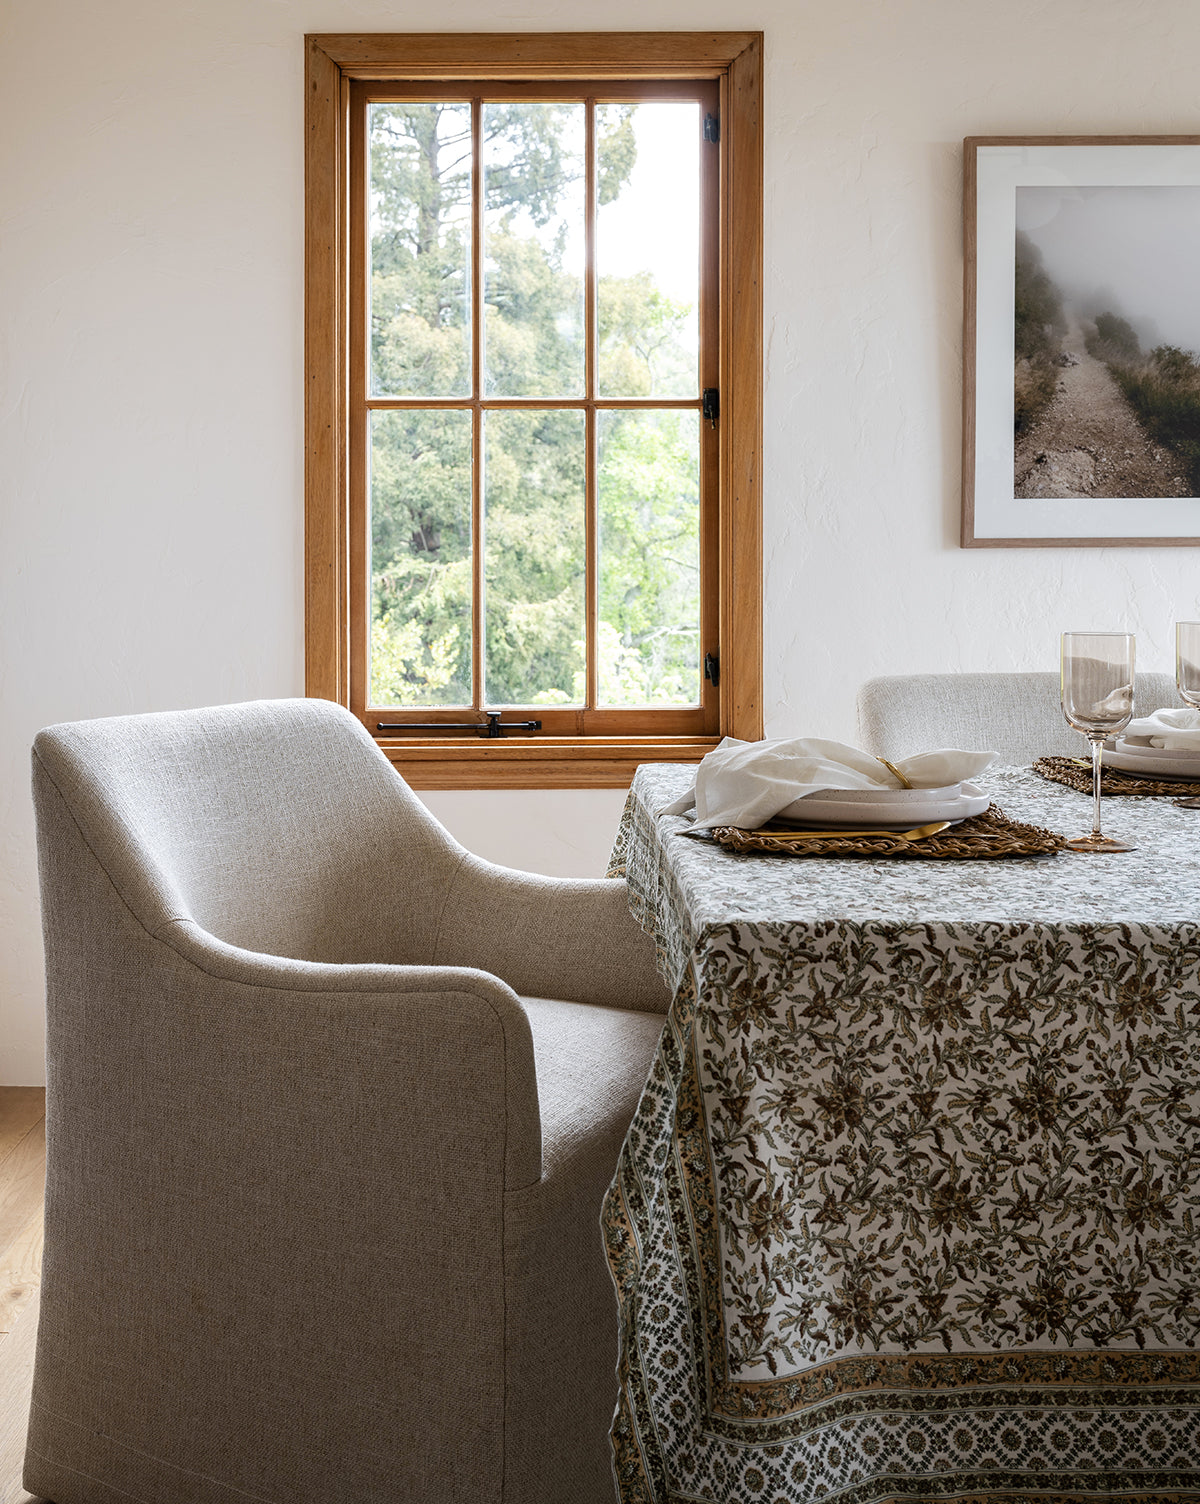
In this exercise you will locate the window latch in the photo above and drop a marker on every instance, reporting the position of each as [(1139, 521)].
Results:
[(712, 668), (710, 404), (493, 727), (712, 127)]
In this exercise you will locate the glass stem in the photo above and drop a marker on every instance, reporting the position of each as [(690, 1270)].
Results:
[(1097, 751)]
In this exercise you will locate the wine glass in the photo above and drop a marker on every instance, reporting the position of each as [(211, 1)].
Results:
[(1187, 676), (1097, 699), (1187, 661)]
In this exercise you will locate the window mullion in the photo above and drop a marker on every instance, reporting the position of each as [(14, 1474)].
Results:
[(477, 477)]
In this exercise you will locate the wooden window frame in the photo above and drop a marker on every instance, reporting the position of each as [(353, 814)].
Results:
[(334, 62)]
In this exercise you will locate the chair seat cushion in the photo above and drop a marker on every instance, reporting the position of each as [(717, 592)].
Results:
[(592, 1064)]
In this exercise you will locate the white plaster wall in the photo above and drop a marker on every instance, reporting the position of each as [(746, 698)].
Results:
[(150, 338), (562, 832)]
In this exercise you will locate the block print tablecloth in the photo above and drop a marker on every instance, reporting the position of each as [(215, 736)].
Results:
[(909, 1206)]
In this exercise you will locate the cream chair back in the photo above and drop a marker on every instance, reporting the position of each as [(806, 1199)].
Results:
[(1017, 715), (267, 823)]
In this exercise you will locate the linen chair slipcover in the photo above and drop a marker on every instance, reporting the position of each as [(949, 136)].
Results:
[(332, 1106), (1017, 715)]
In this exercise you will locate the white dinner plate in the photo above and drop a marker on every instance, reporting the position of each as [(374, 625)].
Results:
[(885, 809), (1160, 761)]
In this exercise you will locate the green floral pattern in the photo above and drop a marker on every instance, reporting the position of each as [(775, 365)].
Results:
[(908, 1207)]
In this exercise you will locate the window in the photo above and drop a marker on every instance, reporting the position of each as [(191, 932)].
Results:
[(533, 396)]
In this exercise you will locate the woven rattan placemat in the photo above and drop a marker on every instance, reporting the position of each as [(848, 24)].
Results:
[(982, 838), (1077, 774)]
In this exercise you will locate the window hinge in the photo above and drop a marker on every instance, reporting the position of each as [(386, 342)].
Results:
[(712, 127), (710, 404), (712, 668)]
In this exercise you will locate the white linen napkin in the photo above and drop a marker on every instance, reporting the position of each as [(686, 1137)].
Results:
[(1177, 730), (748, 783)]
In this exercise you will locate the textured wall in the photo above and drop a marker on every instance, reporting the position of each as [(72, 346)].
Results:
[(150, 391)]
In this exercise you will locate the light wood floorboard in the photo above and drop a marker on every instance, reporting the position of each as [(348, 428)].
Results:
[(16, 1376), (22, 1185), (21, 1108), (22, 1189)]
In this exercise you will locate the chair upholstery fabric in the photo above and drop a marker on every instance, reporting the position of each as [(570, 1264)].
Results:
[(331, 1109), (1017, 715)]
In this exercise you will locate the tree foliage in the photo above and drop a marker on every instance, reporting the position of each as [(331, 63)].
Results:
[(1040, 322), (1038, 327), (1114, 339)]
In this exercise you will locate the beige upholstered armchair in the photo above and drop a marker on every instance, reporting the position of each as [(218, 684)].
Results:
[(332, 1107), (1017, 715)]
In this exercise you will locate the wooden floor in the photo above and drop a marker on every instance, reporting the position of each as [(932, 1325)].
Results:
[(22, 1182)]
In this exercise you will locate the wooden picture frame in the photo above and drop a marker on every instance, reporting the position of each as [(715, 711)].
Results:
[(1081, 327)]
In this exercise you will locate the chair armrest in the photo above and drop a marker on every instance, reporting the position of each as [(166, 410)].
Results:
[(275, 1189), (569, 938), (465, 1019)]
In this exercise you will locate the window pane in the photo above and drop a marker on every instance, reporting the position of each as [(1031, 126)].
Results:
[(648, 248), (420, 647), (533, 249), (534, 558), (649, 504), (420, 267)]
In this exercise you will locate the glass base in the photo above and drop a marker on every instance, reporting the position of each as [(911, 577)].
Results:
[(1098, 843)]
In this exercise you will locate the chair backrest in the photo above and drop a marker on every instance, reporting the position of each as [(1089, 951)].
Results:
[(276, 825), (1017, 715)]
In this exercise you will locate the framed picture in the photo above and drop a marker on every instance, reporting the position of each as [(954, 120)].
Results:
[(1081, 352)]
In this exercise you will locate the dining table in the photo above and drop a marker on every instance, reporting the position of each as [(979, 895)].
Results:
[(908, 1208)]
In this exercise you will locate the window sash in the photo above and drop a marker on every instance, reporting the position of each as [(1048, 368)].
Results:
[(591, 718)]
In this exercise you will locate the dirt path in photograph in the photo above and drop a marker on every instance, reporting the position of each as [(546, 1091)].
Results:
[(1089, 442)]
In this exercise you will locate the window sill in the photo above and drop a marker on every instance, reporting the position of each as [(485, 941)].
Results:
[(544, 762)]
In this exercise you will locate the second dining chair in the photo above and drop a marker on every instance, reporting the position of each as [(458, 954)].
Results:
[(1016, 715)]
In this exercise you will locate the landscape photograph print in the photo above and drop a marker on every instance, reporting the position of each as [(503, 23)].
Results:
[(1081, 324), (1106, 389)]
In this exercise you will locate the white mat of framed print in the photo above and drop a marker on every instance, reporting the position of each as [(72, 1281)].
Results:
[(1081, 375)]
